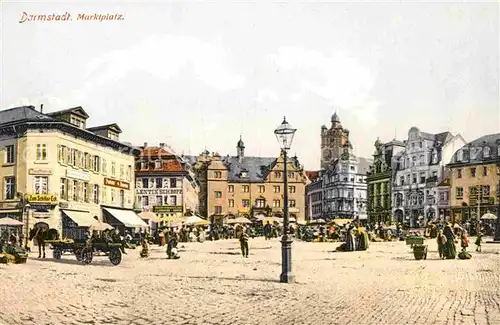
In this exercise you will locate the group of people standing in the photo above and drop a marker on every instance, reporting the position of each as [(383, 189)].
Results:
[(356, 239)]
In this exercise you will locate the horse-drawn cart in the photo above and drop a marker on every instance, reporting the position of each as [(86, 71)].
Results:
[(60, 247), (110, 249)]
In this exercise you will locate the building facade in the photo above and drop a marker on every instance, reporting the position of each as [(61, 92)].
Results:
[(165, 183), (443, 197), (345, 187), (332, 141), (379, 181), (248, 186), (314, 196), (474, 179), (57, 172), (420, 167)]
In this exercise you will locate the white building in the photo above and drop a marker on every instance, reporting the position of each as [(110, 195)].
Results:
[(344, 186), (165, 183), (418, 171)]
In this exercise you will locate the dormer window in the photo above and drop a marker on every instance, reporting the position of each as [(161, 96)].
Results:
[(244, 174), (460, 155), (78, 122), (113, 136), (144, 165), (486, 152), (158, 164)]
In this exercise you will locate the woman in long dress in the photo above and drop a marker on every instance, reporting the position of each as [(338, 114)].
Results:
[(450, 250), (363, 240), (349, 239)]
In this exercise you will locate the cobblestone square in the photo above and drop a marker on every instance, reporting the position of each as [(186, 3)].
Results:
[(213, 284)]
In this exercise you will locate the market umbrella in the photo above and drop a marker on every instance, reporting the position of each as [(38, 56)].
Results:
[(242, 220), (99, 226), (489, 216), (148, 215), (195, 220), (10, 222)]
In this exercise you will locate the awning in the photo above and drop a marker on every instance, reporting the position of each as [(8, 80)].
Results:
[(82, 219), (127, 217)]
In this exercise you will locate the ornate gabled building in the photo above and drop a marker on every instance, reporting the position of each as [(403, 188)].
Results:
[(418, 171), (344, 186), (379, 181), (332, 141), (57, 173), (165, 183), (314, 195), (248, 186), (474, 179)]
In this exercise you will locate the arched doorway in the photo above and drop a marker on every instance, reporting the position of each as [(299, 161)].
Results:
[(399, 216)]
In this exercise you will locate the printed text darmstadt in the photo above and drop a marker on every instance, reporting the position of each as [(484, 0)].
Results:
[(28, 17)]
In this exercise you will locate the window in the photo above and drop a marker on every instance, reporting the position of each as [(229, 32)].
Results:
[(173, 200), (231, 203), (422, 160), (291, 189), (413, 145), (352, 168), (122, 198), (459, 173), (486, 152), (96, 194), (277, 174), (158, 182), (218, 194), (86, 192), (10, 188), (486, 190), (145, 183), (63, 189), (260, 203), (291, 175), (291, 203), (276, 189), (129, 172), (414, 160), (41, 152), (230, 188), (402, 180), (145, 201), (144, 165), (10, 155), (122, 171), (459, 192), (218, 209), (473, 172), (41, 184), (173, 182), (75, 190), (104, 195), (159, 200), (262, 189), (414, 178), (276, 203), (113, 168), (73, 158), (422, 177), (113, 195), (218, 174), (420, 144), (104, 166), (157, 164), (97, 164), (245, 203), (246, 188), (86, 160)]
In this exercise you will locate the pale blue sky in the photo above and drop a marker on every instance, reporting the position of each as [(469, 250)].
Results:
[(200, 74)]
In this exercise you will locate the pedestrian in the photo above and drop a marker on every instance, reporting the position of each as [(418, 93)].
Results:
[(464, 241), (441, 241), (479, 239), (244, 243)]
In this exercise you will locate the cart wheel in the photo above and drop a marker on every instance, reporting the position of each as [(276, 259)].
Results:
[(86, 256), (115, 256), (78, 254), (56, 253)]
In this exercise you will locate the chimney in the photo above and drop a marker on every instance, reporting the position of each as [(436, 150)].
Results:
[(162, 144), (41, 108), (145, 144)]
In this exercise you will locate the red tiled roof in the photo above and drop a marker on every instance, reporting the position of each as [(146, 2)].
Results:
[(312, 175), (169, 165), (155, 152)]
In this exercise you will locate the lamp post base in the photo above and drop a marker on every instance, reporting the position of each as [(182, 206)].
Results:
[(286, 260)]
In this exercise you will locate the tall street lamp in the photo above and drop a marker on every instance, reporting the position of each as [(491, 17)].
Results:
[(284, 133), (497, 228)]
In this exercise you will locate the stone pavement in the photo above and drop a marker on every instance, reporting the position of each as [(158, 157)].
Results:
[(213, 284)]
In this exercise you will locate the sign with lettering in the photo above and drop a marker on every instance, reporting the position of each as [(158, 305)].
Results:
[(41, 215), (39, 171), (485, 200), (158, 191), (167, 209), (116, 183), (42, 198), (76, 174)]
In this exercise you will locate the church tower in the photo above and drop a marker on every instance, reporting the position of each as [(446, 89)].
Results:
[(240, 150), (332, 141)]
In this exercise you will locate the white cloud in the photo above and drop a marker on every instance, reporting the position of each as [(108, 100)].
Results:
[(339, 79), (366, 113), (51, 102), (165, 56), (265, 95)]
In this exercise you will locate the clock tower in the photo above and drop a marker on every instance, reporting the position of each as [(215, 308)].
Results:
[(332, 141)]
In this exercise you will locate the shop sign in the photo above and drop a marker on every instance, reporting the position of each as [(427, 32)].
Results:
[(158, 191), (116, 183), (485, 200), (41, 215), (76, 174), (167, 209), (39, 171), (42, 198)]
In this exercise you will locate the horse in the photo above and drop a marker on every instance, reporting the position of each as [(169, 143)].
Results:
[(40, 234)]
